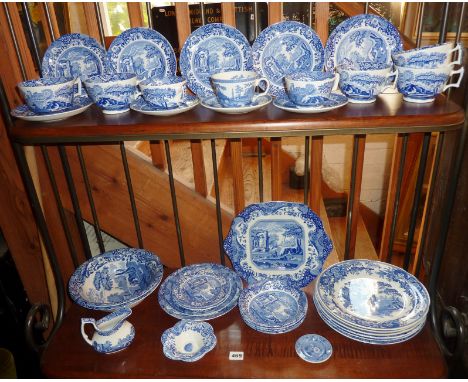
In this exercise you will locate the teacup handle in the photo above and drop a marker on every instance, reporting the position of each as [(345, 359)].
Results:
[(459, 49), (460, 71), (85, 321), (337, 81), (257, 82), (392, 85), (80, 86)]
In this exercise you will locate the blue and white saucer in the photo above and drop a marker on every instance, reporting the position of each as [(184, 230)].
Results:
[(313, 348), (213, 104), (333, 102), (80, 104), (145, 107)]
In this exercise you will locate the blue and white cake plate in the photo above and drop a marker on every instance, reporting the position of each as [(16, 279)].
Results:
[(213, 48), (142, 51), (145, 107), (362, 38), (80, 104), (213, 104), (334, 101), (313, 348), (74, 55), (284, 48), (278, 240)]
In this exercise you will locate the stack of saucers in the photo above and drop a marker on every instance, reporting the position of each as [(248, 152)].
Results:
[(372, 302)]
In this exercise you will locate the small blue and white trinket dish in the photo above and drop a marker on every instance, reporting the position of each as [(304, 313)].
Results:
[(188, 341), (313, 348)]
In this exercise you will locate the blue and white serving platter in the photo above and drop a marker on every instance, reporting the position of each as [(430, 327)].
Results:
[(145, 107), (80, 104), (284, 48), (74, 55), (334, 101), (362, 38), (272, 306), (213, 48), (142, 51), (213, 104), (278, 240), (313, 348)]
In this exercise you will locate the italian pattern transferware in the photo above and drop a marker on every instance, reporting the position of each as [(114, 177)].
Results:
[(142, 106), (278, 240), (213, 104), (285, 48), (334, 101), (142, 51), (362, 38), (74, 55), (115, 279), (213, 48), (313, 348)]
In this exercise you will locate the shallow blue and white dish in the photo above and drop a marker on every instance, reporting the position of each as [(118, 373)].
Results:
[(362, 38), (188, 341), (278, 240), (142, 106), (306, 89), (313, 348), (334, 101), (285, 48), (74, 55), (80, 104), (273, 306), (210, 49), (213, 104), (142, 51), (431, 56), (115, 279)]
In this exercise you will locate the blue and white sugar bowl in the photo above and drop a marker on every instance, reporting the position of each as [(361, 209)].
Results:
[(49, 95), (431, 56), (309, 88), (167, 92), (114, 92)]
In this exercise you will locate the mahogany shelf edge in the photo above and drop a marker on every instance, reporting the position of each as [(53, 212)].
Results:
[(389, 114)]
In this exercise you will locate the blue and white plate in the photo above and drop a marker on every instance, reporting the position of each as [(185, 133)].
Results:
[(80, 104), (334, 101), (362, 38), (188, 341), (213, 104), (313, 348), (142, 51), (145, 107), (272, 306), (278, 240), (74, 55), (115, 279), (213, 48), (284, 48)]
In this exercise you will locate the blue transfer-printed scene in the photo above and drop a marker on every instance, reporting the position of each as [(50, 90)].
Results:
[(234, 95), (309, 94), (202, 289), (112, 97), (140, 56), (421, 60), (274, 307), (78, 61), (159, 97), (277, 244), (422, 86), (361, 85), (48, 101), (284, 56), (362, 45)]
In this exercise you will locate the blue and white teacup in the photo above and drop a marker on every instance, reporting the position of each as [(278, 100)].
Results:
[(422, 85), (114, 92), (49, 95), (237, 88), (309, 88), (432, 56), (363, 82), (164, 93)]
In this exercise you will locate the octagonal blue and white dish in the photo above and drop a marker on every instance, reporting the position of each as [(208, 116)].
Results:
[(278, 240), (213, 48), (322, 105), (74, 55), (313, 348), (362, 38), (284, 48), (115, 279), (188, 341), (144, 52)]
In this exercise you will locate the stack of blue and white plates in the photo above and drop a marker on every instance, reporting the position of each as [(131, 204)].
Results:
[(372, 302)]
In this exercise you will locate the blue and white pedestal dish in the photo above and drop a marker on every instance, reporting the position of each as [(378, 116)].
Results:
[(431, 56), (115, 279), (142, 106), (166, 92), (188, 341), (313, 348), (335, 101), (284, 48), (309, 88), (213, 104)]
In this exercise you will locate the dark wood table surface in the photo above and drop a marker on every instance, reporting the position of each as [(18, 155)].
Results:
[(265, 356)]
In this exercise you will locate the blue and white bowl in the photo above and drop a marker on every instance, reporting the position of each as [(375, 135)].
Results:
[(164, 93), (115, 279), (309, 88), (113, 93), (422, 85), (188, 340), (431, 56), (49, 95)]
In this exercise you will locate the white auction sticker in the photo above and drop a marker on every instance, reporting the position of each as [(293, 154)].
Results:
[(236, 355)]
